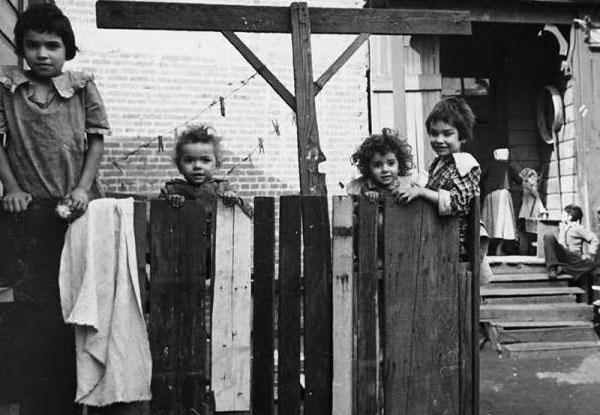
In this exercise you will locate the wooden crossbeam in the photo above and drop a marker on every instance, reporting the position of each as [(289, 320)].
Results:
[(111, 14), (340, 61), (520, 11), (261, 68)]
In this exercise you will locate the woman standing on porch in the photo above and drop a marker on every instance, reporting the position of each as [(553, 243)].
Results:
[(497, 213)]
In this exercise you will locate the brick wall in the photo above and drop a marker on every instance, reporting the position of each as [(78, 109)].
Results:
[(153, 81)]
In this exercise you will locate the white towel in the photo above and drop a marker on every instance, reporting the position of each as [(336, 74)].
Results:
[(100, 295)]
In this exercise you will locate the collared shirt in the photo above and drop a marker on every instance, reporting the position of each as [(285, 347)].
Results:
[(46, 142), (573, 235), (456, 179)]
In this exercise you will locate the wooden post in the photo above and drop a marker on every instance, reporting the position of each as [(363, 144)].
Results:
[(309, 151)]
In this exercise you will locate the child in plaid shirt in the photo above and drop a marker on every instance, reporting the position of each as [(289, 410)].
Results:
[(453, 176)]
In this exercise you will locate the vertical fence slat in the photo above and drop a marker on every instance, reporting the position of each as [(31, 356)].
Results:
[(262, 329), (470, 345), (177, 326), (422, 362), (231, 310), (366, 287), (140, 228), (241, 309), (343, 306), (289, 306), (317, 306)]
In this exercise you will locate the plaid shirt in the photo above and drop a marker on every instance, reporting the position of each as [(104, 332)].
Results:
[(444, 175)]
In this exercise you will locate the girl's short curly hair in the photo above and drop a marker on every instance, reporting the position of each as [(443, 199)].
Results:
[(455, 112), (388, 141), (198, 134), (45, 18)]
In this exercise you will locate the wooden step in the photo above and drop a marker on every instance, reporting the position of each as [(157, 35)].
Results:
[(527, 277), (546, 349), (540, 324), (536, 312), (515, 259), (528, 284), (490, 291), (531, 300), (500, 269), (552, 334)]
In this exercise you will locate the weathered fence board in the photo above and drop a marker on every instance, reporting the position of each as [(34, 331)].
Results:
[(421, 340), (177, 325), (231, 313), (343, 307), (263, 319), (288, 383), (367, 324), (317, 306)]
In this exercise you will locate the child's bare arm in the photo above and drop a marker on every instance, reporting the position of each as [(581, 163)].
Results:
[(14, 199), (407, 195), (93, 156)]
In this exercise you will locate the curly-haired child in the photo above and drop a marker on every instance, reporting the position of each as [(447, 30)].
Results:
[(386, 166)]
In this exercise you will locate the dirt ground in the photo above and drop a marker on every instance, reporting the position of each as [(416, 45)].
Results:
[(562, 384)]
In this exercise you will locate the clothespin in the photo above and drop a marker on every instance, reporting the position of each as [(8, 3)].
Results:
[(222, 103), (276, 127), (161, 146), (250, 160), (341, 185), (261, 145)]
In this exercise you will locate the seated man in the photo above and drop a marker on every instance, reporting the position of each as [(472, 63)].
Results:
[(565, 255)]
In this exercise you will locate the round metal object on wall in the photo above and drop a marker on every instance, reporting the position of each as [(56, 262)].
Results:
[(549, 113)]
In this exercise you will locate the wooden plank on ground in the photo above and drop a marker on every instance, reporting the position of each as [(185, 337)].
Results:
[(288, 383), (218, 17), (231, 314), (366, 309), (262, 328), (318, 319), (343, 306), (422, 364), (177, 325)]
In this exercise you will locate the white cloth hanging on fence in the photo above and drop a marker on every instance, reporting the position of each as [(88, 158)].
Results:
[(100, 296)]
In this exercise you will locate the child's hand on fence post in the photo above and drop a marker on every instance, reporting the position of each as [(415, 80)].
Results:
[(176, 200), (229, 198), (407, 195), (17, 201), (372, 196), (78, 200)]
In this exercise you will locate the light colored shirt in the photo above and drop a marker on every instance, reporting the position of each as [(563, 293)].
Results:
[(46, 142), (573, 235)]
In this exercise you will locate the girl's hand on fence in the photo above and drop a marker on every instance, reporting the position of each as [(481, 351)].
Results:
[(405, 196), (16, 201), (372, 196), (176, 200), (78, 200), (229, 198)]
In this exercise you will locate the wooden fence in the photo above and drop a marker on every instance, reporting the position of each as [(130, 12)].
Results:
[(345, 326)]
